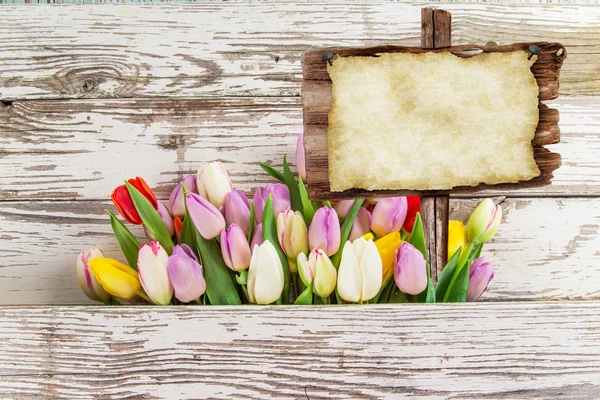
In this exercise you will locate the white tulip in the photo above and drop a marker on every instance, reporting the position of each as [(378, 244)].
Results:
[(361, 271), (265, 276), (213, 183)]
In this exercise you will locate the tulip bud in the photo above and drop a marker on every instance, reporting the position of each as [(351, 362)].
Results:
[(324, 232), (118, 279), (342, 208), (87, 281), (318, 270), (410, 272), (292, 234), (281, 199), (389, 215), (265, 276), (152, 269), (235, 249), (413, 207), (177, 224), (237, 210), (484, 222), (457, 237), (387, 247), (361, 225), (257, 236), (300, 160), (185, 273), (176, 200), (360, 272), (167, 220), (206, 217), (213, 183), (122, 200), (481, 274)]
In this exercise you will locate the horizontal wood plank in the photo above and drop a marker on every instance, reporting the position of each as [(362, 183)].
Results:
[(546, 249), (483, 351), (249, 49), (82, 149)]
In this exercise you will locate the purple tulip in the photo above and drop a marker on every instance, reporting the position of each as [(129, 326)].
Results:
[(176, 201), (481, 274), (207, 218), (342, 208), (300, 158), (237, 210), (324, 232), (361, 225), (281, 199), (257, 237), (389, 215), (235, 248), (167, 220), (185, 273), (410, 271)]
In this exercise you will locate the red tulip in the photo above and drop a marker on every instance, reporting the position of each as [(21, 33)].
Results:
[(122, 200), (178, 224), (414, 206)]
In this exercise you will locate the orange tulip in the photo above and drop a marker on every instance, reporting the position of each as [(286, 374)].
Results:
[(122, 200)]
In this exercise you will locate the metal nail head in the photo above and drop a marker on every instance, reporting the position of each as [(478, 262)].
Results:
[(329, 57), (533, 50)]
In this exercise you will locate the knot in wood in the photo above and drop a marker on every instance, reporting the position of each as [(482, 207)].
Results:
[(89, 85)]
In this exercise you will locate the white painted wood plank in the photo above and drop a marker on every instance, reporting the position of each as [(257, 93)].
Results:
[(483, 351), (546, 249), (248, 49), (82, 149)]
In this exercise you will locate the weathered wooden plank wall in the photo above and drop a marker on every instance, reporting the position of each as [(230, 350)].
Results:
[(90, 92)]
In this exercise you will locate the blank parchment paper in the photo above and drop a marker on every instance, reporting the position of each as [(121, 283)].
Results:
[(431, 121)]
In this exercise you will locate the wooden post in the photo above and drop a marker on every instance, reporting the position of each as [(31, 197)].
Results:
[(436, 32)]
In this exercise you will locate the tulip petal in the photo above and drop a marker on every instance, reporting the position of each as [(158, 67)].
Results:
[(186, 277), (371, 270), (265, 276), (349, 282), (116, 278), (152, 269)]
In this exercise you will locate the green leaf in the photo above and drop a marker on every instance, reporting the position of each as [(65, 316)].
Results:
[(129, 244), (220, 286), (430, 291), (384, 292), (151, 219), (306, 297), (242, 278), (396, 296), (251, 230), (475, 254), (270, 234), (446, 275), (290, 182), (417, 237), (345, 231), (458, 292), (327, 203), (272, 171), (307, 208), (316, 204)]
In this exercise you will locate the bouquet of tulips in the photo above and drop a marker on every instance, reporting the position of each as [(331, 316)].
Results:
[(212, 245)]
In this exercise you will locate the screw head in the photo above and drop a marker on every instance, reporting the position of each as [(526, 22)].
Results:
[(329, 57), (533, 50)]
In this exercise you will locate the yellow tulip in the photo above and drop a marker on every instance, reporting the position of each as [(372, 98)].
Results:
[(387, 246), (116, 278), (457, 237)]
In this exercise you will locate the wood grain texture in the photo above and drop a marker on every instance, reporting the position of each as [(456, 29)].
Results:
[(317, 105), (248, 49), (546, 249), (482, 351), (84, 148)]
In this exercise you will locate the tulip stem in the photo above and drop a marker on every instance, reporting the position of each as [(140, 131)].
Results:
[(463, 260), (143, 296), (325, 300)]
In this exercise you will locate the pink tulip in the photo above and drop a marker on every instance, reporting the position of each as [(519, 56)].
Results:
[(481, 274), (300, 157), (167, 220), (342, 208), (235, 248), (389, 215), (237, 210), (281, 199), (410, 271), (152, 270), (207, 218), (176, 201), (361, 225), (324, 232), (87, 281), (185, 273), (257, 236)]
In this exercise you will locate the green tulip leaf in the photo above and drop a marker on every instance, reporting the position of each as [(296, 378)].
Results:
[(417, 237), (307, 208), (151, 218), (129, 244), (306, 297), (270, 234), (251, 230), (446, 275), (290, 182), (475, 254), (273, 172), (458, 291), (396, 296), (345, 231), (384, 292)]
